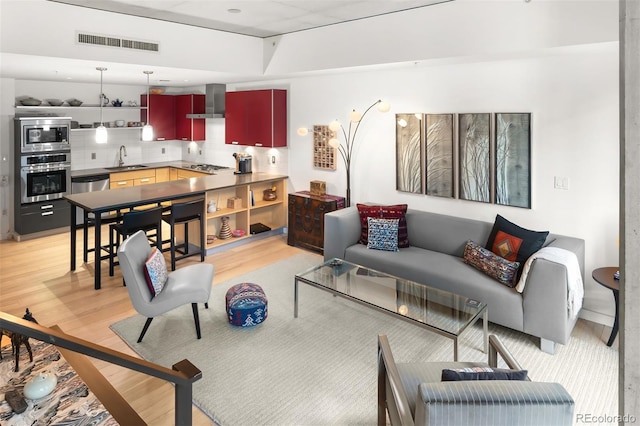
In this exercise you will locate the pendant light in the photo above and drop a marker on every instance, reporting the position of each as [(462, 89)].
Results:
[(101, 131), (147, 130)]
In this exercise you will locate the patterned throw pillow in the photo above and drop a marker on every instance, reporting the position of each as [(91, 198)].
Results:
[(514, 243), (482, 373), (397, 211), (383, 234), (491, 264), (155, 271)]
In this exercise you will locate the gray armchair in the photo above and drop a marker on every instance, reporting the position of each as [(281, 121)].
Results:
[(413, 394), (189, 284)]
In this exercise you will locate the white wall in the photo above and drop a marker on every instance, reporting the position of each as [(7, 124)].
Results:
[(572, 94)]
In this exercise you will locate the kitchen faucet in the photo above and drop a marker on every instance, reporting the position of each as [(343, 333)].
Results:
[(121, 161)]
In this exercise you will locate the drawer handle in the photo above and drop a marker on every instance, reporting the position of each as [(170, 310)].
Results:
[(234, 142), (144, 180), (258, 144), (185, 139), (161, 139), (46, 213), (122, 183), (48, 206)]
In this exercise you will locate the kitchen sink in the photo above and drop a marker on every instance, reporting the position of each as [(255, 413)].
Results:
[(131, 167)]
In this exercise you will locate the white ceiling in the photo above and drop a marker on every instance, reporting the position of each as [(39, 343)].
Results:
[(258, 18)]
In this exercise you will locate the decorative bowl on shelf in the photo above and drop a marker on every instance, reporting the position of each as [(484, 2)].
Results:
[(156, 91), (30, 101), (237, 233), (74, 102), (54, 102)]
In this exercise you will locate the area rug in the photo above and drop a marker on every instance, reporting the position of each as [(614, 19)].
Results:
[(320, 369), (71, 402)]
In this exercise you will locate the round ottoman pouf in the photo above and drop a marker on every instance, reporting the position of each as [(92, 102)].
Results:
[(246, 305)]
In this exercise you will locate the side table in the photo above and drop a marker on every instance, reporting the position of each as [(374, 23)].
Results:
[(604, 277), (306, 218)]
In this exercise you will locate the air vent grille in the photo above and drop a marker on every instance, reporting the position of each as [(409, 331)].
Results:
[(110, 41)]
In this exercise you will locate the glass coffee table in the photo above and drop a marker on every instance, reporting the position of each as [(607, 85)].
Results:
[(436, 310)]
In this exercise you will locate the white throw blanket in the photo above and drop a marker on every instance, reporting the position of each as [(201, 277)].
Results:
[(574, 278)]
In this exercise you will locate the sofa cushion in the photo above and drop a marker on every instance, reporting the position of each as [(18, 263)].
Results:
[(514, 242), (482, 373), (442, 233), (491, 264), (384, 212), (383, 234)]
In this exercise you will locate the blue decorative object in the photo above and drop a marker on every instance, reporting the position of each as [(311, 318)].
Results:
[(246, 305)]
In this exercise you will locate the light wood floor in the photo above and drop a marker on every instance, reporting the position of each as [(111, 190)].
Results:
[(35, 274)]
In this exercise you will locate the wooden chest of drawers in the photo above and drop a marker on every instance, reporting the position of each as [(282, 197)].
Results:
[(306, 218)]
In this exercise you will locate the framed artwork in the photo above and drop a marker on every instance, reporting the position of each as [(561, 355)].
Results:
[(513, 159), (474, 157), (324, 156), (439, 154), (409, 153)]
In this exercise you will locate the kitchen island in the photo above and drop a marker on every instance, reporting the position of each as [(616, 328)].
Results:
[(245, 208)]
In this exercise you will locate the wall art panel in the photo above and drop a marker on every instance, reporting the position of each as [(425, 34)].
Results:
[(324, 156), (474, 157), (409, 164), (513, 159), (439, 154)]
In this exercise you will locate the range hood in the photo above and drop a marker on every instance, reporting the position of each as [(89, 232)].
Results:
[(214, 102)]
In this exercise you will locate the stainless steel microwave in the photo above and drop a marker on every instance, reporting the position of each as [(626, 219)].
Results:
[(39, 134)]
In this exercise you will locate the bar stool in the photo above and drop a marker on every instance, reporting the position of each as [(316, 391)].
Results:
[(132, 222), (90, 220), (184, 213)]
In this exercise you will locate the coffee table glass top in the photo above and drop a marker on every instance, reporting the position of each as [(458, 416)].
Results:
[(439, 309)]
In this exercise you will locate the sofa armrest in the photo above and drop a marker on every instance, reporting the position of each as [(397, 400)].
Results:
[(341, 230), (494, 402), (544, 299)]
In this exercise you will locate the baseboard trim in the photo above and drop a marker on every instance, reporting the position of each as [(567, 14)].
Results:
[(597, 317)]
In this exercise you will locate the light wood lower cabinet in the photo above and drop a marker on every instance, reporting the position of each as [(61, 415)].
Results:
[(247, 212), (132, 178)]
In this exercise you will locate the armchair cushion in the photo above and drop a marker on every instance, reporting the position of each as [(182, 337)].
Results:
[(155, 272), (494, 403), (482, 373)]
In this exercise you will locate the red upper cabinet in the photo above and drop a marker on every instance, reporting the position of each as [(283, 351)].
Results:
[(162, 115), (256, 118), (168, 116), (190, 129)]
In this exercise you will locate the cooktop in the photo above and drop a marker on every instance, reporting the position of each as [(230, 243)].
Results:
[(210, 168)]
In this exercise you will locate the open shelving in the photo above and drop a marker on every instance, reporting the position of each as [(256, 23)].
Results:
[(271, 213)]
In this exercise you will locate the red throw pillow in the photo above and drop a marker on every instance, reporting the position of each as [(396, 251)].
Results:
[(397, 211)]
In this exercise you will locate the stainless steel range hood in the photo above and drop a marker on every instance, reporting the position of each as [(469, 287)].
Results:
[(214, 102)]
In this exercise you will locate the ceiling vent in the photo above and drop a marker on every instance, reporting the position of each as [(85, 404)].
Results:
[(110, 41)]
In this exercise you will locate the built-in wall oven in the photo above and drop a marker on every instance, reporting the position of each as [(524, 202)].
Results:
[(39, 134), (44, 177), (42, 173)]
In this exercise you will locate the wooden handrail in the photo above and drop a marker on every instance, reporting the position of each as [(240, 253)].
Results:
[(183, 374)]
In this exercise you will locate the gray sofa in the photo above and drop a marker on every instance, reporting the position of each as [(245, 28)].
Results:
[(434, 258)]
